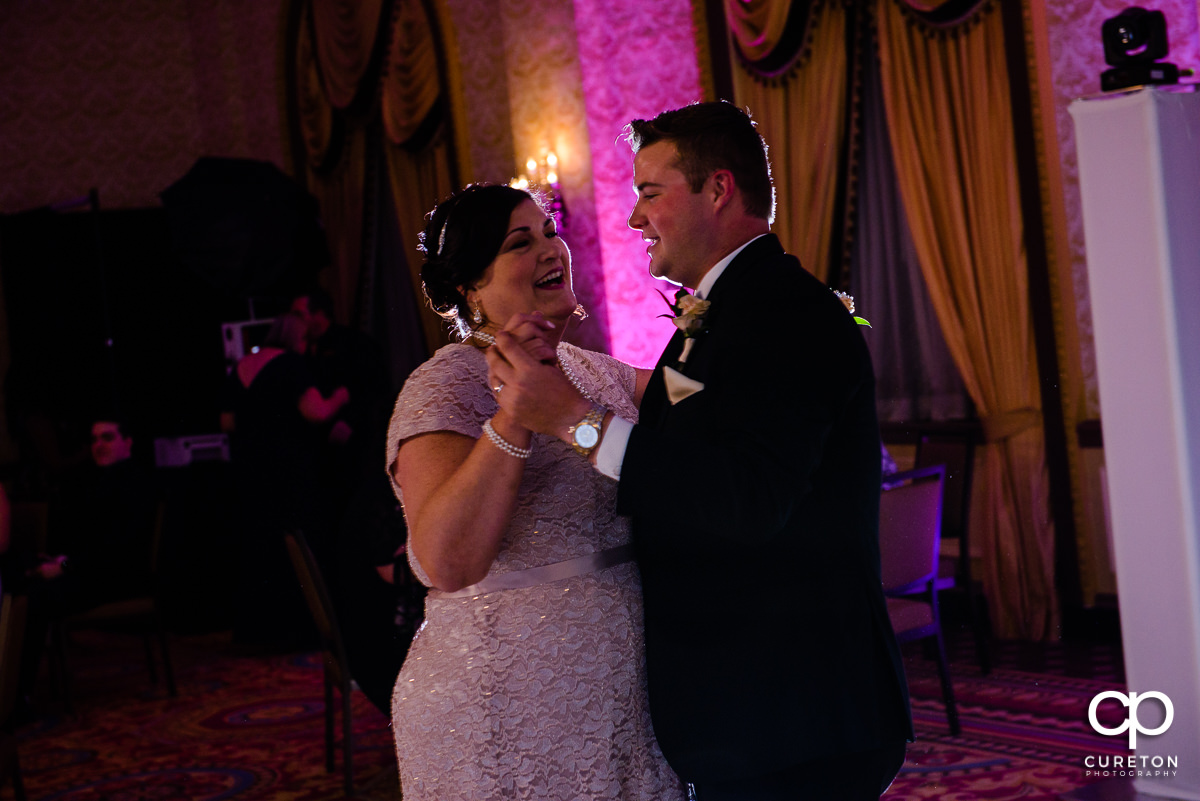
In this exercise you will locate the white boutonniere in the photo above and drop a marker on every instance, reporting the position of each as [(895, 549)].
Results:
[(848, 302), (688, 313)]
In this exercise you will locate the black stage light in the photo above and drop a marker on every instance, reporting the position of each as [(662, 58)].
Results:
[(1134, 40)]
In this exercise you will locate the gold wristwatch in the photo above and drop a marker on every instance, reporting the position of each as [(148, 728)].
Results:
[(585, 434)]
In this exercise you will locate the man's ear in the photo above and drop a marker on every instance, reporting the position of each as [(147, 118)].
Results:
[(722, 187)]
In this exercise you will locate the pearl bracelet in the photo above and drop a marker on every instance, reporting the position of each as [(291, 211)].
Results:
[(503, 444)]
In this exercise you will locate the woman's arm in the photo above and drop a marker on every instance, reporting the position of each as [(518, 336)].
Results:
[(459, 495), (316, 408), (643, 378)]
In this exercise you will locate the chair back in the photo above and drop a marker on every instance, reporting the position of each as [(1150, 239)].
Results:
[(910, 522), (316, 595), (957, 453), (12, 634)]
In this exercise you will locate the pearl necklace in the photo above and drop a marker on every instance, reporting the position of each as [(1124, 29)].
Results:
[(488, 339)]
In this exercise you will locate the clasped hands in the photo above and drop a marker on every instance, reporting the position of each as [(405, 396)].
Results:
[(535, 393)]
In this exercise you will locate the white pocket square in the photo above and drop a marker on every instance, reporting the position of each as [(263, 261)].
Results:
[(679, 386)]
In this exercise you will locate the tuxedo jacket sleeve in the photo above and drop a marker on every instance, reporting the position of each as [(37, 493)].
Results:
[(755, 508)]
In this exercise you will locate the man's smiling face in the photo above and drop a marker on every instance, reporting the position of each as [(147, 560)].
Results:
[(676, 221)]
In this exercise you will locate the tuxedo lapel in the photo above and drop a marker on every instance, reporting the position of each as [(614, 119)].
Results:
[(655, 403), (742, 268)]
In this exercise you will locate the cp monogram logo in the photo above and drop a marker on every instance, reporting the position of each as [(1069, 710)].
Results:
[(1131, 721)]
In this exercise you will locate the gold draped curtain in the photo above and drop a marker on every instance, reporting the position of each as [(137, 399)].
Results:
[(759, 27), (945, 83), (801, 110), (344, 32), (420, 163), (947, 100), (339, 96)]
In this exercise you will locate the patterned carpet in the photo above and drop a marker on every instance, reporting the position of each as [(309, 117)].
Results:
[(1024, 725), (252, 727), (241, 727)]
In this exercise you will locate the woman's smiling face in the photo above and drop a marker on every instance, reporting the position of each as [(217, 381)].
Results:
[(532, 272)]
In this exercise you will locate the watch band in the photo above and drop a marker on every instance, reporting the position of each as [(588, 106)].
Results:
[(585, 435)]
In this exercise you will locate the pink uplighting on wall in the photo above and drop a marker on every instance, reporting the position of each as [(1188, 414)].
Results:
[(637, 58)]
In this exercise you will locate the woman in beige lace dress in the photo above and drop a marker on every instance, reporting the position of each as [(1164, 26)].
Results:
[(527, 679)]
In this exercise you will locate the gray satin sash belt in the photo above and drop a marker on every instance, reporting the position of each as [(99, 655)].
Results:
[(531, 577)]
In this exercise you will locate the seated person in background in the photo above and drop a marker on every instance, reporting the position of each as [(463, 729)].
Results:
[(101, 523)]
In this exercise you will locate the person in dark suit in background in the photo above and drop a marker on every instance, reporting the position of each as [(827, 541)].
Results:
[(100, 524), (275, 415), (753, 483), (101, 528), (341, 356), (379, 604)]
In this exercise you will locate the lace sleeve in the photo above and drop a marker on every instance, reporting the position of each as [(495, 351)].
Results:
[(611, 382), (447, 393)]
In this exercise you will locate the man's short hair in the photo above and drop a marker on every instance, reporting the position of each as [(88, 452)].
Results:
[(709, 137)]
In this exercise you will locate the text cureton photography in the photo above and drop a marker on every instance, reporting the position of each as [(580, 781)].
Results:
[(1131, 765)]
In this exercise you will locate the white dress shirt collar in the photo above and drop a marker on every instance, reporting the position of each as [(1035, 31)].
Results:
[(710, 278)]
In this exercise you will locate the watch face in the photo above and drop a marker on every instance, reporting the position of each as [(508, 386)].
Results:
[(587, 436)]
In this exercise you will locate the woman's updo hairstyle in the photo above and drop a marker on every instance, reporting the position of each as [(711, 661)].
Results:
[(462, 236)]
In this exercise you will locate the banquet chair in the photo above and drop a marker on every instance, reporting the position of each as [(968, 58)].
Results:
[(12, 634), (140, 614), (337, 667), (957, 453), (910, 521)]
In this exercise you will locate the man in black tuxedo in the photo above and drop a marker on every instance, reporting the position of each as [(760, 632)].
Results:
[(752, 479)]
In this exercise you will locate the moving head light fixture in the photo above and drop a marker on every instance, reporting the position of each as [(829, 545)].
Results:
[(1134, 41)]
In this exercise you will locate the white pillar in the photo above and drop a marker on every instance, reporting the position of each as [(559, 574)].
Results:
[(1139, 165)]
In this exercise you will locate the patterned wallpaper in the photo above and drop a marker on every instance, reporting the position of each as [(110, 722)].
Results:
[(638, 58), (77, 110), (484, 88), (546, 101), (550, 75), (125, 96), (1077, 55)]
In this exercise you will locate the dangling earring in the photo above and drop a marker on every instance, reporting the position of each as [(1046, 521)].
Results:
[(580, 312), (477, 316)]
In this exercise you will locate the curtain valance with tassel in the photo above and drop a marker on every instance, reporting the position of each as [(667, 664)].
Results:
[(411, 85), (344, 32), (371, 112), (771, 36), (944, 17)]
